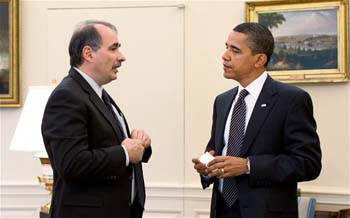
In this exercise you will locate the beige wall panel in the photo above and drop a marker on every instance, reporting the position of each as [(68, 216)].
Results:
[(150, 83), (175, 95)]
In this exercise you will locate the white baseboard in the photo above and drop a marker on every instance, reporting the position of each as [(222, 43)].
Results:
[(165, 201)]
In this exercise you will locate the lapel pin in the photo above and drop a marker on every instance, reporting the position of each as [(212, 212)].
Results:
[(263, 105)]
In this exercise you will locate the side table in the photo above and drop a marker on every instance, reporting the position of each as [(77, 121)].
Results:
[(326, 214), (44, 215)]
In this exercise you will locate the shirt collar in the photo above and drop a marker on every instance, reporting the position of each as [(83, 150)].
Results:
[(254, 88), (97, 88)]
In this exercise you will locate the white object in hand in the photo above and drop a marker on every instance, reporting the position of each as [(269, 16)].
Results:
[(206, 158)]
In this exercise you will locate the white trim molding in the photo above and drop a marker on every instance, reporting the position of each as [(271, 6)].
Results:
[(22, 200), (328, 198), (163, 200)]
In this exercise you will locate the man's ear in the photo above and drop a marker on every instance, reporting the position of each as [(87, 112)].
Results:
[(87, 53), (261, 60)]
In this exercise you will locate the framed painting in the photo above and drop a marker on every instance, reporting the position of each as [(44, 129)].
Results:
[(9, 53), (311, 38)]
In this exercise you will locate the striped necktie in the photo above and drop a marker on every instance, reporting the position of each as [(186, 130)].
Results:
[(235, 140)]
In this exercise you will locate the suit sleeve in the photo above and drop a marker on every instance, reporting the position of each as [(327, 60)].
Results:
[(147, 154), (206, 181), (65, 132), (299, 158)]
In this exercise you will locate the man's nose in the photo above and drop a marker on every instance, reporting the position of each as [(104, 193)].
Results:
[(121, 57), (225, 56)]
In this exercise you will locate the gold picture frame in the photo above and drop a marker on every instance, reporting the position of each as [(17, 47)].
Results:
[(311, 38), (9, 53)]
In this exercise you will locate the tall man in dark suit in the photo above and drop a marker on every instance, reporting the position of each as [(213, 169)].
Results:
[(263, 135), (95, 160)]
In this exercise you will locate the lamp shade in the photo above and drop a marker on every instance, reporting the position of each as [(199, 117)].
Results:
[(27, 136)]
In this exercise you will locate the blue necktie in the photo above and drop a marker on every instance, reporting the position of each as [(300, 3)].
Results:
[(235, 140)]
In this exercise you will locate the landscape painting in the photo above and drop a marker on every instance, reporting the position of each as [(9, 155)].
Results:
[(311, 44), (4, 49), (9, 53), (311, 38)]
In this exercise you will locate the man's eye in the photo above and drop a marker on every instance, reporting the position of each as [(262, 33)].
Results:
[(235, 51), (114, 48)]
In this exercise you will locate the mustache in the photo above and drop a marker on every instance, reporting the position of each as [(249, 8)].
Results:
[(117, 65)]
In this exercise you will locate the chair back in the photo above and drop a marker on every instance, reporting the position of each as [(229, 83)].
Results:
[(306, 207)]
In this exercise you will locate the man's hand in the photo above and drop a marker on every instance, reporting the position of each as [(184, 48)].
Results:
[(142, 136), (199, 166), (135, 149), (227, 166)]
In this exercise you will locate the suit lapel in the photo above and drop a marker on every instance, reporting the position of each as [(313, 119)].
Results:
[(97, 101), (222, 114), (122, 115), (262, 108)]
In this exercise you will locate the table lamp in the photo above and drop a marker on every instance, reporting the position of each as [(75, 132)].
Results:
[(27, 136)]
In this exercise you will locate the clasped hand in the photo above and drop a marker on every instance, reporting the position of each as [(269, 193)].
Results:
[(221, 166), (136, 145)]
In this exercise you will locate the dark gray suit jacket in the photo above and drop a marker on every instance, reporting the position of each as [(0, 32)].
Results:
[(282, 145), (83, 144)]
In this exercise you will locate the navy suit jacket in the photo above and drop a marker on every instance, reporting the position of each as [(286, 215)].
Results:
[(282, 145), (84, 146)]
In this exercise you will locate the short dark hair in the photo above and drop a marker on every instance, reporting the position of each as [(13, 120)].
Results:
[(85, 34), (260, 39)]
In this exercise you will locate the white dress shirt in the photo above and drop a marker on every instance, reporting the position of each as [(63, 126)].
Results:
[(254, 89), (98, 89)]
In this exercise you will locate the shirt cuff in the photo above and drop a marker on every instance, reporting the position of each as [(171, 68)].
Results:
[(126, 156), (206, 178), (248, 166)]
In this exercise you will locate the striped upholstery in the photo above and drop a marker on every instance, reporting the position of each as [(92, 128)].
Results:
[(306, 207)]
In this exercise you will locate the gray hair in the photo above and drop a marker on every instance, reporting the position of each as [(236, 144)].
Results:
[(84, 34)]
